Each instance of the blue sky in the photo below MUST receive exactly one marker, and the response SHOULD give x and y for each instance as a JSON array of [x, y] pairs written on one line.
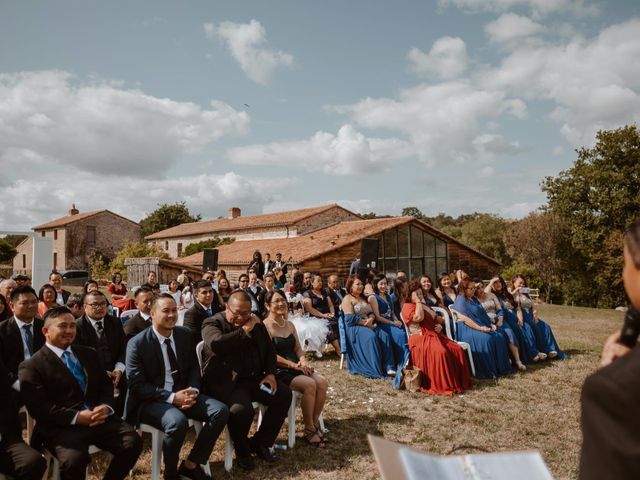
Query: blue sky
[[451, 106]]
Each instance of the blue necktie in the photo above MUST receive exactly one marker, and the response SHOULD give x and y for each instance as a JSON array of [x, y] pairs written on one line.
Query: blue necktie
[[76, 370], [209, 311], [29, 337]]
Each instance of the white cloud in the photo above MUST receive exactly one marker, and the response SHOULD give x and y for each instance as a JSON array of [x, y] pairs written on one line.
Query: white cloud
[[247, 44], [29, 202], [509, 27], [537, 7], [442, 121], [447, 59], [99, 127], [348, 152], [594, 83]]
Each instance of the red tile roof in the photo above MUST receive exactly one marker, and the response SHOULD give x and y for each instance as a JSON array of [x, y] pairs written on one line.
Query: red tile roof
[[299, 249], [68, 219], [240, 223]]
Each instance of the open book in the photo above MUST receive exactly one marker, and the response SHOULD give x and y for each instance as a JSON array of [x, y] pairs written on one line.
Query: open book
[[400, 462]]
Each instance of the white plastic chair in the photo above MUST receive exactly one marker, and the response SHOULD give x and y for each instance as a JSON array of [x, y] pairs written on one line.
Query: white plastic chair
[[53, 465], [30, 422], [127, 314], [452, 334], [291, 420], [157, 436]]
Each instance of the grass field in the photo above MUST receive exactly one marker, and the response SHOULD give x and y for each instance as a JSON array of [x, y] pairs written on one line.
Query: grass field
[[538, 409]]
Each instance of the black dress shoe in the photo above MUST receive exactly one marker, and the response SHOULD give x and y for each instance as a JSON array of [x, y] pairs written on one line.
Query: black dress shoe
[[193, 473], [263, 453], [246, 463]]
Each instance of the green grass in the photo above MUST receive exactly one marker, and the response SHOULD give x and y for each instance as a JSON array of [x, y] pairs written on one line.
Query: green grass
[[538, 409]]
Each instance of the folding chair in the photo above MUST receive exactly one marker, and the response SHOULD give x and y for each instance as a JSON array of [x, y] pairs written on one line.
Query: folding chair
[[53, 465], [127, 314], [30, 422], [343, 338], [448, 325]]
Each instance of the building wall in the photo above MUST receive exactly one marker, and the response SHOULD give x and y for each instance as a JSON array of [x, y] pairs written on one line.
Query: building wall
[[58, 236], [111, 233], [321, 220], [24, 248], [170, 245]]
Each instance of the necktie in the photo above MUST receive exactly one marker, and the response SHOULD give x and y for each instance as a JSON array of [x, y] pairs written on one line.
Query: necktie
[[173, 362], [76, 370], [28, 335], [209, 311], [100, 328]]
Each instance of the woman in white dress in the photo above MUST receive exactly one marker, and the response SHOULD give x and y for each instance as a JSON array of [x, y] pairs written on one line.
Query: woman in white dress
[[312, 331]]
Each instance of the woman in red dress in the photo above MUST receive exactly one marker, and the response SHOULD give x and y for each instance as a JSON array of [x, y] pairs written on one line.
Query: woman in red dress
[[442, 361], [118, 291]]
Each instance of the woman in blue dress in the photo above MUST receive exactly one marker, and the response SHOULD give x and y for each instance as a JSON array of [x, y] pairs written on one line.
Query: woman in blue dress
[[382, 308], [488, 347], [369, 350], [445, 291], [525, 337], [545, 340]]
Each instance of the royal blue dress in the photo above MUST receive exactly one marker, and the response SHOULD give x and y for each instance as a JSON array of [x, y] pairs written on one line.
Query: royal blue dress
[[489, 350], [545, 340], [524, 336], [369, 352], [398, 335]]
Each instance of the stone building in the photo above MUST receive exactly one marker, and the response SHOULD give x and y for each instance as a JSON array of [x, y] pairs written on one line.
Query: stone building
[[278, 225], [405, 243], [76, 236]]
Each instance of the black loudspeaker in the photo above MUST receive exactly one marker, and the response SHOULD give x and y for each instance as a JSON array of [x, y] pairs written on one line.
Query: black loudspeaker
[[369, 253], [210, 259]]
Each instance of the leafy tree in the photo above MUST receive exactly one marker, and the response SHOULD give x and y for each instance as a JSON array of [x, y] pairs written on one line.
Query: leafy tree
[[135, 250], [7, 251], [412, 212], [167, 216], [211, 243], [484, 232], [99, 266], [372, 215], [540, 240], [14, 240], [599, 198]]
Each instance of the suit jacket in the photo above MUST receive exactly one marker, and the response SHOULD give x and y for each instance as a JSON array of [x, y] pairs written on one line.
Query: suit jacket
[[53, 395], [135, 325], [194, 317], [145, 369], [258, 297], [11, 347], [268, 265], [336, 297], [225, 345], [10, 426], [116, 340], [283, 266]]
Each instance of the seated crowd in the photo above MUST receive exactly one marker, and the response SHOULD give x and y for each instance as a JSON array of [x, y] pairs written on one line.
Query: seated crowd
[[88, 377]]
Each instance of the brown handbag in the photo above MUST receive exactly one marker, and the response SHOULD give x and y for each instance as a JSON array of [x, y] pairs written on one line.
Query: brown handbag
[[412, 379]]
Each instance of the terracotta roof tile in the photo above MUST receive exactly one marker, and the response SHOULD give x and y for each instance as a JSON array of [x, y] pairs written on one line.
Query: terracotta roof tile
[[67, 219], [240, 223], [304, 247]]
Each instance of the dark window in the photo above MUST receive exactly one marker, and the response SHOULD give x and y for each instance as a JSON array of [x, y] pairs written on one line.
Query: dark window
[[430, 268], [416, 268], [441, 248], [166, 245], [390, 248], [55, 260], [24, 261], [55, 234], [443, 265], [416, 242], [179, 249], [91, 236], [403, 242], [403, 264], [42, 233], [429, 245]]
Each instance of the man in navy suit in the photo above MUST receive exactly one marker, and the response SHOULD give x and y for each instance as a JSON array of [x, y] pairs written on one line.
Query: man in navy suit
[[70, 396], [21, 335], [164, 390], [206, 305]]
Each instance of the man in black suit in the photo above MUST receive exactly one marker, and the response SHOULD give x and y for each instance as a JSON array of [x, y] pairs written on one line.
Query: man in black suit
[[164, 390], [141, 320], [255, 291], [239, 364], [70, 396], [280, 263], [268, 263], [104, 333], [355, 266], [203, 307], [55, 280], [16, 458], [21, 335], [336, 293]]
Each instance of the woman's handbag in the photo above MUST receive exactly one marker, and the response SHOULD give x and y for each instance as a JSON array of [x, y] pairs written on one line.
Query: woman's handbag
[[412, 379]]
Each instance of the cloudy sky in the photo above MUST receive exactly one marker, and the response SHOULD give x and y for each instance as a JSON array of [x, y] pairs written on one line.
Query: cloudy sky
[[448, 105]]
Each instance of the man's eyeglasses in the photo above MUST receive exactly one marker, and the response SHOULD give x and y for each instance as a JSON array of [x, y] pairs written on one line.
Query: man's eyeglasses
[[97, 305], [239, 315]]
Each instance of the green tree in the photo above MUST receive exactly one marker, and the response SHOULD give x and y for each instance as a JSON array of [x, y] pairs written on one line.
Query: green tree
[[599, 198], [412, 212], [484, 232], [14, 240], [167, 216], [7, 251], [211, 243], [99, 266], [135, 250], [540, 241]]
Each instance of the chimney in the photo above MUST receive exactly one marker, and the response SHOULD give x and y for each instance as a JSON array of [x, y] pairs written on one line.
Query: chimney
[[234, 212], [73, 210]]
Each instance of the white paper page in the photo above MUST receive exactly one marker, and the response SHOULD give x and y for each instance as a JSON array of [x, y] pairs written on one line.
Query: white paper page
[[507, 466], [420, 466]]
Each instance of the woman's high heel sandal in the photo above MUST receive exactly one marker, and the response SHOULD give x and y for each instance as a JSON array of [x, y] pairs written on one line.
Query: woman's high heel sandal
[[310, 435]]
